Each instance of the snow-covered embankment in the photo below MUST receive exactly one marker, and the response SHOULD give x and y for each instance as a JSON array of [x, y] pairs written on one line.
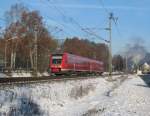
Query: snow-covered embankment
[[70, 97], [91, 97]]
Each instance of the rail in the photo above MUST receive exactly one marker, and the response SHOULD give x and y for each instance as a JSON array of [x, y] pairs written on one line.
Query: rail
[[22, 80]]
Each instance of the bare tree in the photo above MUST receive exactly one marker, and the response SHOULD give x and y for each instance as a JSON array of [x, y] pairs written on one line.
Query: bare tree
[[22, 46]]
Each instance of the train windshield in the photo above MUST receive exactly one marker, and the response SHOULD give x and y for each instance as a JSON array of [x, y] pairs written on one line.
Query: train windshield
[[56, 59]]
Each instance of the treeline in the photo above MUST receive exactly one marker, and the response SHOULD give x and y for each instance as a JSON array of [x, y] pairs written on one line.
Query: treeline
[[18, 39], [18, 42]]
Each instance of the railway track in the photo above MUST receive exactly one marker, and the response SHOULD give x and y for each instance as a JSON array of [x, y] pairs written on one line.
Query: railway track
[[22, 80]]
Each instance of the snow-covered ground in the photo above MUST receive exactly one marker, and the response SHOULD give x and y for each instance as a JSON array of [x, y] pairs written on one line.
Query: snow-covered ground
[[16, 74], [23, 74], [91, 97], [2, 75], [28, 74]]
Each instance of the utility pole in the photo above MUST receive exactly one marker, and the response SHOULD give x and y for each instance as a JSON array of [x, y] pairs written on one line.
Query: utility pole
[[35, 51], [126, 64], [111, 18], [110, 43], [5, 54]]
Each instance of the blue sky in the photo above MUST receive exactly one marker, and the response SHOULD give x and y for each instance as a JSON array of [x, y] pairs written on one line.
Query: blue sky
[[133, 18]]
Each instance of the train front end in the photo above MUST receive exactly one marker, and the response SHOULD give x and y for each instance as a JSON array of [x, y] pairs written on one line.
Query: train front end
[[56, 63]]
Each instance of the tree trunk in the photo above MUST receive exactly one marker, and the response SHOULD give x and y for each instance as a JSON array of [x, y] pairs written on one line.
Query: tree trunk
[[11, 62], [31, 59]]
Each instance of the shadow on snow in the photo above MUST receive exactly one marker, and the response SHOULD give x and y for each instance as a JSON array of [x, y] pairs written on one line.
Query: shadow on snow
[[146, 79], [26, 107]]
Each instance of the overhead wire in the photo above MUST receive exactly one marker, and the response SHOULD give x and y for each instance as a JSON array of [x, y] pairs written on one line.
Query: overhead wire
[[73, 21], [65, 26], [102, 4], [59, 23], [114, 20], [117, 28]]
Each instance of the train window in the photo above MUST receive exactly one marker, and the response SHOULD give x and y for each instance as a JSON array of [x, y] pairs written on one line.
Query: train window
[[56, 59]]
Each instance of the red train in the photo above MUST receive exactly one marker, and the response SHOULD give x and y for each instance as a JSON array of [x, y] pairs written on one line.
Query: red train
[[68, 63]]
